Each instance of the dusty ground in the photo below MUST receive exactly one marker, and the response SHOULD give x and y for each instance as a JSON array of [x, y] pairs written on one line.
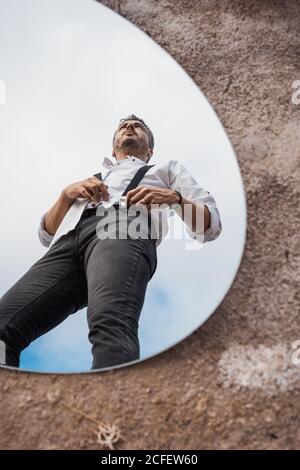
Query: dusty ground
[[232, 384]]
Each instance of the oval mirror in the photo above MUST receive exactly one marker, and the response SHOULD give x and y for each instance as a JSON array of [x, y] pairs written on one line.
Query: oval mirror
[[70, 71]]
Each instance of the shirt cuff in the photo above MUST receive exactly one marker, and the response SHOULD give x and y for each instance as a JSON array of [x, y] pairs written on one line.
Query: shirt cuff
[[213, 231], [44, 236]]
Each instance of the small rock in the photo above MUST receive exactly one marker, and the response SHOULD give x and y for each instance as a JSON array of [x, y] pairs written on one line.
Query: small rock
[[201, 405], [53, 396]]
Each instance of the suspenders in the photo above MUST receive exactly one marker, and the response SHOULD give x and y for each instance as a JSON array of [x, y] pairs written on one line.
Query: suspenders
[[133, 184], [135, 180]]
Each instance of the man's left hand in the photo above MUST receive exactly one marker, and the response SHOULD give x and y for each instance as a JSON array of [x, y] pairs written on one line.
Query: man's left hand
[[148, 195]]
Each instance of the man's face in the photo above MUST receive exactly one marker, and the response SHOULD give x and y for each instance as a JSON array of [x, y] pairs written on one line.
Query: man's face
[[132, 138]]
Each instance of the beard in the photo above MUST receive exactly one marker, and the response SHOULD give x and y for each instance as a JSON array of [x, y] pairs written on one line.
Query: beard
[[129, 142]]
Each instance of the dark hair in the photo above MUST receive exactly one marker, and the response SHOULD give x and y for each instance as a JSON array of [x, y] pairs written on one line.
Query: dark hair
[[133, 117]]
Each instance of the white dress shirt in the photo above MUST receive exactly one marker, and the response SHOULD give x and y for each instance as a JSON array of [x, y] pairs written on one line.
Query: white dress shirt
[[118, 174]]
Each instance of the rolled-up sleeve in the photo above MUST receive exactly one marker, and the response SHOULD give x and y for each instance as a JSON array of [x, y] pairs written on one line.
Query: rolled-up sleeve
[[181, 180], [44, 236]]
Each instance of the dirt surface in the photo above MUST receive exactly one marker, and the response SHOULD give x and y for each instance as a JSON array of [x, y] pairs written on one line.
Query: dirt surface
[[232, 384]]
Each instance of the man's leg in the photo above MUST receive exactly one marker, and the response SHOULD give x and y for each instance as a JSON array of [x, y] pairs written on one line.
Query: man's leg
[[52, 289], [118, 271]]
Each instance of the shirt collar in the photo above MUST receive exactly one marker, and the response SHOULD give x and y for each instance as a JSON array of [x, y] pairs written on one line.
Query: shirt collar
[[109, 163]]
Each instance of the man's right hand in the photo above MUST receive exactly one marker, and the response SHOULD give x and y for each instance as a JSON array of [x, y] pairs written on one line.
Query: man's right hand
[[91, 188]]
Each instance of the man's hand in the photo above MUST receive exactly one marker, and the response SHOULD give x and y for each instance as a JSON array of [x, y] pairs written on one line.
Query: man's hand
[[91, 188], [148, 195]]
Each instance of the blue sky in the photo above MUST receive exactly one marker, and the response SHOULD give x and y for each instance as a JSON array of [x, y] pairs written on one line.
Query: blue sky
[[72, 69]]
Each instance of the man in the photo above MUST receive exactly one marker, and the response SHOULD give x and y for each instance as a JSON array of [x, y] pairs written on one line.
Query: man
[[109, 275]]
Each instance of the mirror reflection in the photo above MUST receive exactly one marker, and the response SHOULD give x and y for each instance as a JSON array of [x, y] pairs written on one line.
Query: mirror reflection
[[123, 206]]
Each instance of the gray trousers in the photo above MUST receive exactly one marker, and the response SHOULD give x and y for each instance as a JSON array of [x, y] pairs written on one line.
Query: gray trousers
[[109, 276]]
